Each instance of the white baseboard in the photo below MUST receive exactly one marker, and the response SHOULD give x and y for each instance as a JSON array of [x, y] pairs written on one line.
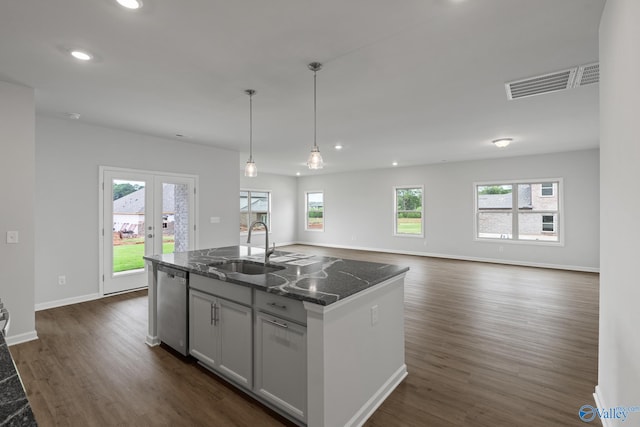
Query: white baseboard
[[458, 257], [363, 414], [597, 396], [67, 301], [20, 338]]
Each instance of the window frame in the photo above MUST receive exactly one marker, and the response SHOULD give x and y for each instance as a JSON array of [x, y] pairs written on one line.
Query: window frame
[[395, 211], [306, 211], [558, 214], [269, 210]]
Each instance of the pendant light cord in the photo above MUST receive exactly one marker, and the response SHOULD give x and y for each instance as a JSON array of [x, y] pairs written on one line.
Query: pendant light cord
[[251, 127], [315, 114]]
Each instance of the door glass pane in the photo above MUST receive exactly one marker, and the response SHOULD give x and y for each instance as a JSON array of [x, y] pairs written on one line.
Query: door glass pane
[[175, 217], [128, 225], [244, 211], [260, 208], [315, 211]]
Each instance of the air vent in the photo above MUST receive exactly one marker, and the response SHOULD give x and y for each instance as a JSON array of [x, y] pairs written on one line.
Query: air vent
[[553, 82], [587, 74], [538, 85]]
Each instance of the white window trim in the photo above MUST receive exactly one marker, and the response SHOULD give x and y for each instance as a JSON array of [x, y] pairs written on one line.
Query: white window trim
[[561, 218], [257, 190], [395, 212], [306, 212]]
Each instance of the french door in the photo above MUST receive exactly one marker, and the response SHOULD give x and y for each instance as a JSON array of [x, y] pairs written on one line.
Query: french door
[[143, 213]]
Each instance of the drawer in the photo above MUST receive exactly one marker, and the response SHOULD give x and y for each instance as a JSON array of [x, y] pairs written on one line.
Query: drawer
[[281, 306], [230, 291]]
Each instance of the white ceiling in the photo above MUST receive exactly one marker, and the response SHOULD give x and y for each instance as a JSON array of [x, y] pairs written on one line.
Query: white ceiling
[[412, 81]]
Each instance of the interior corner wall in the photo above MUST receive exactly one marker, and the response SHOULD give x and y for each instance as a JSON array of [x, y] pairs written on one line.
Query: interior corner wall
[[283, 207], [17, 174], [359, 209], [619, 345], [68, 155]]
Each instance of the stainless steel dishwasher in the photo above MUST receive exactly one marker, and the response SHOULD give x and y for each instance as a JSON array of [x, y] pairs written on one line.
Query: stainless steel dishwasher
[[173, 294]]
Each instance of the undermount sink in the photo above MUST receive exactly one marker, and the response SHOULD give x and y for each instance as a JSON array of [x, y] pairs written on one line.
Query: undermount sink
[[246, 267]]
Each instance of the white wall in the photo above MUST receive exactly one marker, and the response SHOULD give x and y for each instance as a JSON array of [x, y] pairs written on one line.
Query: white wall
[[619, 347], [283, 207], [359, 209], [68, 154], [17, 174]]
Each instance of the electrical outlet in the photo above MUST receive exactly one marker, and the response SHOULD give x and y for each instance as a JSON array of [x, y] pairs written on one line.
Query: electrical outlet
[[62, 280], [375, 315], [12, 237]]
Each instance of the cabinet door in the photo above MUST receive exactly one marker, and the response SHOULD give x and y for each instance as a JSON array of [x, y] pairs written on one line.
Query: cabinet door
[[234, 334], [281, 364], [202, 332]]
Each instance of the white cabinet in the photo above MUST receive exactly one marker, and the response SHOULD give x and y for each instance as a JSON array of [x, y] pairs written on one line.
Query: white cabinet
[[220, 334], [281, 364]]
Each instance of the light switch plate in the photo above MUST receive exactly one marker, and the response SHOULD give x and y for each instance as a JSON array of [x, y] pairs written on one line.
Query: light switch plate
[[12, 237]]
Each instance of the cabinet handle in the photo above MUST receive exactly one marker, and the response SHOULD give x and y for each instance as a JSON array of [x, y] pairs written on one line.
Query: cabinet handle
[[282, 325], [276, 305], [215, 314], [212, 315]]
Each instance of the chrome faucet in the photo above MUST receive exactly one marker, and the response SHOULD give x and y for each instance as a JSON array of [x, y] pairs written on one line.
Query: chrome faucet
[[267, 251]]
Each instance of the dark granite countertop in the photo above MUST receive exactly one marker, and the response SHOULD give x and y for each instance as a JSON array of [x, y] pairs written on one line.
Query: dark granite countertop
[[15, 410], [317, 279]]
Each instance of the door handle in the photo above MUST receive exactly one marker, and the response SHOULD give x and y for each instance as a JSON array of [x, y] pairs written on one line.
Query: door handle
[[282, 325], [149, 235]]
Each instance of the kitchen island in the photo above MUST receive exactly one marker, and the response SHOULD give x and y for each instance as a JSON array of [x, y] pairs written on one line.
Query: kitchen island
[[14, 405], [319, 339]]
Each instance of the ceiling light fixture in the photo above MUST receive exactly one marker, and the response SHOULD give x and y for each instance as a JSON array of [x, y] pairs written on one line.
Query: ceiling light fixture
[[315, 159], [250, 169], [338, 146], [502, 142], [394, 164], [81, 55], [130, 4]]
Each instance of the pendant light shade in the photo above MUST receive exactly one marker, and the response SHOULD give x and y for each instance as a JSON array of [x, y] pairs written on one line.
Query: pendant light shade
[[315, 159], [250, 170]]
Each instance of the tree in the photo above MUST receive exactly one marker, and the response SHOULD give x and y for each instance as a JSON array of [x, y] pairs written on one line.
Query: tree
[[495, 189], [121, 190], [409, 199]]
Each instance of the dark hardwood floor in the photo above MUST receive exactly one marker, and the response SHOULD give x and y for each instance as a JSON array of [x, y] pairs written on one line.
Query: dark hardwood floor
[[486, 345]]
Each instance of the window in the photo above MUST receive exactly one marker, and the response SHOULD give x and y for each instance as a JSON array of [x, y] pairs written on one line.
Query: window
[[518, 211], [547, 223], [314, 211], [254, 206], [408, 220]]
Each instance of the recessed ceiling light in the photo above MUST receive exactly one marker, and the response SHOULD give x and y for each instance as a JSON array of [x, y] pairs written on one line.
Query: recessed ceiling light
[[81, 55], [394, 164], [338, 146], [130, 4], [72, 116], [502, 142], [297, 173]]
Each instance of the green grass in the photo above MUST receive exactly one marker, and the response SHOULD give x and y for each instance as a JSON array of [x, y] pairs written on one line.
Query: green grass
[[129, 257], [409, 226]]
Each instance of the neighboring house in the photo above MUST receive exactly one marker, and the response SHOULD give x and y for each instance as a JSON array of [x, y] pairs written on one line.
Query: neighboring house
[[259, 211], [128, 212]]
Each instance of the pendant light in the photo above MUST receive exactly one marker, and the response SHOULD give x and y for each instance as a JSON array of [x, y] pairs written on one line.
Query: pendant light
[[315, 159], [250, 169]]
